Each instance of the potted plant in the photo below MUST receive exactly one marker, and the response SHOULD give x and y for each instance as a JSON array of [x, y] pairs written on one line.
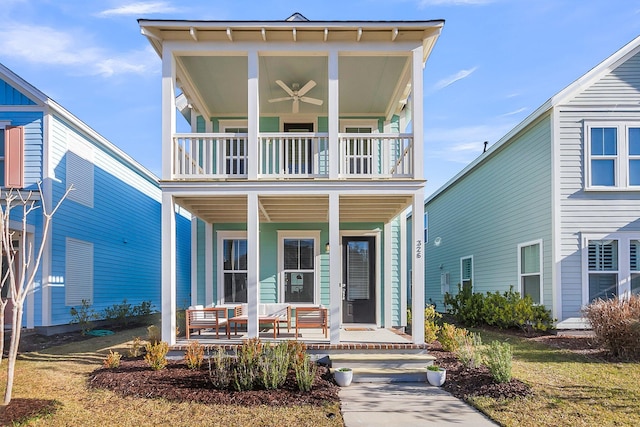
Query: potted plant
[[343, 376], [436, 375]]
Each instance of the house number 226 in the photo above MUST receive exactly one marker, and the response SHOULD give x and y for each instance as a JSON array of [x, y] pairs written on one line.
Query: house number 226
[[418, 248]]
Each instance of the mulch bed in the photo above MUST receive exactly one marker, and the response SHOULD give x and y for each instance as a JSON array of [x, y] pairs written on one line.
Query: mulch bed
[[179, 383], [467, 382]]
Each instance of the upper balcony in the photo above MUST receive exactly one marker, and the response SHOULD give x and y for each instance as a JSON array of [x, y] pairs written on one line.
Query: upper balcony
[[292, 155], [355, 89]]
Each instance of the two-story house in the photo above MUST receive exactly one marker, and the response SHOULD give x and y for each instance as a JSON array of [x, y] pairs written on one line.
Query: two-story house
[[104, 241], [298, 165], [553, 207]]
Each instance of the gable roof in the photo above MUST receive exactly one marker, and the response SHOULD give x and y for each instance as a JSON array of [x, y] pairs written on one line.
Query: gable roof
[[586, 80]]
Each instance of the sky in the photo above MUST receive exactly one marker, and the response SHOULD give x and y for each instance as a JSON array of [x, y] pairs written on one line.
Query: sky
[[495, 62]]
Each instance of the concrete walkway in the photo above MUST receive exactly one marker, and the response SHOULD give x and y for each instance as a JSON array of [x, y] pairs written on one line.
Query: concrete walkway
[[406, 405]]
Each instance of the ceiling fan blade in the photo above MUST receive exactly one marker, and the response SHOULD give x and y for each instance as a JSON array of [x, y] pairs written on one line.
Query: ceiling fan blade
[[314, 101], [284, 87], [287, 98], [306, 88], [296, 106]]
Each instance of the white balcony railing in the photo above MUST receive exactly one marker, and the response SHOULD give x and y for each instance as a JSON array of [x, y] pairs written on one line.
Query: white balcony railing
[[292, 155]]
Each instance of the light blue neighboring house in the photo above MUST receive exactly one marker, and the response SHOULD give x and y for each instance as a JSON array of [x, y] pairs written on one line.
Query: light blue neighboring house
[[553, 207], [104, 243], [298, 164]]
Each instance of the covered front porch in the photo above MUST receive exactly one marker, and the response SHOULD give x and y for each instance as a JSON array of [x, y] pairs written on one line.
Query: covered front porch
[[344, 249]]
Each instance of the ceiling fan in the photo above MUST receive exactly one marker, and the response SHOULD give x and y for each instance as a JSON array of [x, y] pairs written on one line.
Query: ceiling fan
[[296, 93]]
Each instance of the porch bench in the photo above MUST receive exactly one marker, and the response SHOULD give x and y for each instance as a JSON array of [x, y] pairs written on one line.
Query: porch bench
[[312, 317], [199, 317]]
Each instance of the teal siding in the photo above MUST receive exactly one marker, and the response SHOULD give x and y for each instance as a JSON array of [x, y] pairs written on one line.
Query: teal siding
[[502, 202], [10, 96], [396, 248]]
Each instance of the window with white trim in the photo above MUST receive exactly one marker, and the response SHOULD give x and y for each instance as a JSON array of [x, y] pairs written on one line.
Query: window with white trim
[[530, 270], [466, 271], [603, 269], [235, 148], [234, 269], [612, 156], [298, 268]]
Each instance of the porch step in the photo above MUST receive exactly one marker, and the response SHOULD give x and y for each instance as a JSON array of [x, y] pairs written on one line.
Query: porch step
[[389, 375], [381, 360], [384, 367]]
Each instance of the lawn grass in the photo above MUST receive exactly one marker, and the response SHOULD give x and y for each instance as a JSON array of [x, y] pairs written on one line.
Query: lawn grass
[[569, 389], [61, 373]]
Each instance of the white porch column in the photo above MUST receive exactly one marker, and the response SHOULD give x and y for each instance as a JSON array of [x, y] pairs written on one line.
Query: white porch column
[[388, 276], [333, 111], [194, 260], [253, 264], [253, 113], [208, 263], [168, 269], [168, 111], [417, 294], [335, 270], [417, 114]]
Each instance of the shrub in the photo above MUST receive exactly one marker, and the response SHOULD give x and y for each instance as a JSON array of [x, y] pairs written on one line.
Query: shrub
[[194, 356], [616, 324], [135, 350], [305, 374], [153, 334], [156, 356], [247, 364], [83, 316], [274, 365], [498, 359], [503, 310], [465, 306], [118, 312], [469, 350], [297, 351], [220, 369], [450, 335], [112, 360], [431, 328]]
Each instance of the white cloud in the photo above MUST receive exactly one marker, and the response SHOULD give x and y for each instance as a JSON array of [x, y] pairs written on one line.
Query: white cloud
[[140, 8], [518, 111], [449, 80], [424, 3], [49, 46]]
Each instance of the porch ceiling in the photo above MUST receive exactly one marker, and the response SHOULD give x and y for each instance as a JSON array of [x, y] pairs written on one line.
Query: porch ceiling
[[311, 208], [369, 85]]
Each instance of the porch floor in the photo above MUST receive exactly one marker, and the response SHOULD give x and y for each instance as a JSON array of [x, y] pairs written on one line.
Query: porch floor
[[351, 337]]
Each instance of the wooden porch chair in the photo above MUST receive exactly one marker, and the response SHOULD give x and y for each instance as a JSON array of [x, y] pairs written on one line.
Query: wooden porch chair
[[312, 317], [199, 317]]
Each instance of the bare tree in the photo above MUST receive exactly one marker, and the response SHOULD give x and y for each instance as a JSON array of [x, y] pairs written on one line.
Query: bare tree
[[20, 285]]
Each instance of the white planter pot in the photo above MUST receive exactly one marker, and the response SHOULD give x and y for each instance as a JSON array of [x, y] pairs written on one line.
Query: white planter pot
[[438, 377], [343, 376]]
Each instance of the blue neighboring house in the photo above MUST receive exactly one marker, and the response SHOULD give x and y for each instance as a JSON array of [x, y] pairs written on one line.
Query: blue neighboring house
[[104, 243], [552, 208]]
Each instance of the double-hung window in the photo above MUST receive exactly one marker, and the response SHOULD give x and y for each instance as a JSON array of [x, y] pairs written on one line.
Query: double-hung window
[[298, 268], [234, 270], [530, 270], [466, 271], [612, 156]]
